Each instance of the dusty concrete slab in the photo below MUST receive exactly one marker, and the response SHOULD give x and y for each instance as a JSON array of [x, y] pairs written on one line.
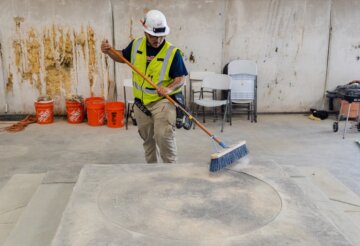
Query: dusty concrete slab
[[333, 199], [40, 219], [183, 205], [5, 230], [14, 197]]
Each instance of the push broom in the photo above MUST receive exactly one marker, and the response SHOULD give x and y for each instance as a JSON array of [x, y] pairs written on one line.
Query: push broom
[[219, 160]]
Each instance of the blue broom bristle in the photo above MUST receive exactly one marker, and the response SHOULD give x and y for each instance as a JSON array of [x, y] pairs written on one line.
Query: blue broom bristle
[[228, 158]]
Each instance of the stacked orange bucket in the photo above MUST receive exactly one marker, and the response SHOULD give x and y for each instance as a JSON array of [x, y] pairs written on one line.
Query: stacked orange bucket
[[75, 109], [44, 107]]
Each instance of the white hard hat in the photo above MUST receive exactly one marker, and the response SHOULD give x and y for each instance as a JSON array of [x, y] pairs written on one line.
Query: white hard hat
[[155, 23]]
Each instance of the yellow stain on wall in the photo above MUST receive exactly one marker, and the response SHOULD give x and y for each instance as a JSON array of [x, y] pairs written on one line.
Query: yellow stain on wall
[[17, 50], [32, 68], [58, 52], [92, 59], [52, 76], [9, 84], [52, 52], [80, 39], [68, 62], [18, 20]]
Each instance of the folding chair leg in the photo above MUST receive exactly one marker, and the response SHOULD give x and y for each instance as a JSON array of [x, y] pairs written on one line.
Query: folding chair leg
[[224, 119], [127, 115], [230, 115], [196, 113], [251, 112], [203, 109], [215, 114]]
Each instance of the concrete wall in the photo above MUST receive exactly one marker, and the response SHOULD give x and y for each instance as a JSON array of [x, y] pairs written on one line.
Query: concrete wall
[[289, 42], [344, 54], [53, 46]]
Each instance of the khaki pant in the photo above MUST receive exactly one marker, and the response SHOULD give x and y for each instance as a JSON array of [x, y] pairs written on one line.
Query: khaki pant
[[158, 131]]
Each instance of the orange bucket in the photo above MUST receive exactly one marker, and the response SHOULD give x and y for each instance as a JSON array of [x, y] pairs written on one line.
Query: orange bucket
[[75, 112], [44, 112], [95, 112], [115, 114], [89, 100], [93, 99]]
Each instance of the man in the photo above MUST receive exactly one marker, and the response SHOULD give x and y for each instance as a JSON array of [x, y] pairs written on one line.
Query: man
[[164, 65]]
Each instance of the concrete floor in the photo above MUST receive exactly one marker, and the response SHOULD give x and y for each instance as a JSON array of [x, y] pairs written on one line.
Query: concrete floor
[[296, 144], [61, 149]]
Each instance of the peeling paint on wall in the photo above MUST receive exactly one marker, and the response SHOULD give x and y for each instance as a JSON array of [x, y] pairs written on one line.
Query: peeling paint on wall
[[131, 36], [49, 48], [58, 52], [16, 44], [18, 20], [80, 39], [192, 57], [31, 72], [92, 59], [47, 58], [9, 84]]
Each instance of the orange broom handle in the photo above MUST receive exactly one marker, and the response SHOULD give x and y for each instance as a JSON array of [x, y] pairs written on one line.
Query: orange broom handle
[[172, 101]]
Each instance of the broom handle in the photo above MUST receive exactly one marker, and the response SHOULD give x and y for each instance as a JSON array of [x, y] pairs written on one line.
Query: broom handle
[[172, 101]]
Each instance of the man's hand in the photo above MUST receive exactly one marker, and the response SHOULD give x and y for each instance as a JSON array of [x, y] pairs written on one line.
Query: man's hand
[[105, 46], [178, 82], [162, 91], [106, 49]]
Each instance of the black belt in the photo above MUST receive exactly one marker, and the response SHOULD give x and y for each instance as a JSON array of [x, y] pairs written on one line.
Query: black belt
[[142, 107]]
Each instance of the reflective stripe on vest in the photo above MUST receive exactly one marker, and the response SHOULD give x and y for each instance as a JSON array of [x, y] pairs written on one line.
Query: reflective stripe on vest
[[165, 64], [136, 48], [148, 91]]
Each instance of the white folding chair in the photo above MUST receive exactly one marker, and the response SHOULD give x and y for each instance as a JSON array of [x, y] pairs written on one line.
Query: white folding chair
[[215, 83], [244, 85], [128, 98], [195, 80]]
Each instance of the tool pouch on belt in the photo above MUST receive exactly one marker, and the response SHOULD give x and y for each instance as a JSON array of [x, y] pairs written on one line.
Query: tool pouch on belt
[[182, 120], [142, 107]]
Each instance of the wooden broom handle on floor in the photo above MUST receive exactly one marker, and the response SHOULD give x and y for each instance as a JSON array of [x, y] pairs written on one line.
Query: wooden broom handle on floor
[[172, 101]]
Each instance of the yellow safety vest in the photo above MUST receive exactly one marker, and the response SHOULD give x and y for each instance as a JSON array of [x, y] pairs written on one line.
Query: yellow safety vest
[[157, 70]]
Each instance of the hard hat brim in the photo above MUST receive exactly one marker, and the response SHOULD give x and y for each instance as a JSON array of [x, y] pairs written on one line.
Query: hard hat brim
[[158, 34]]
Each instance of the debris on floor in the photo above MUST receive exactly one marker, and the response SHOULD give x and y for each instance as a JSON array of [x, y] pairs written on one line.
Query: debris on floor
[[312, 117]]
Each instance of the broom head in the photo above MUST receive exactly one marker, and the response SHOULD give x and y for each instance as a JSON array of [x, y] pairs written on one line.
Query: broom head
[[228, 156]]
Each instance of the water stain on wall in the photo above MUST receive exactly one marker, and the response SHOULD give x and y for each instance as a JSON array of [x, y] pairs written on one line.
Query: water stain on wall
[[92, 57], [32, 67], [18, 20], [131, 36], [80, 40], [58, 54], [9, 84], [16, 44], [52, 52]]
